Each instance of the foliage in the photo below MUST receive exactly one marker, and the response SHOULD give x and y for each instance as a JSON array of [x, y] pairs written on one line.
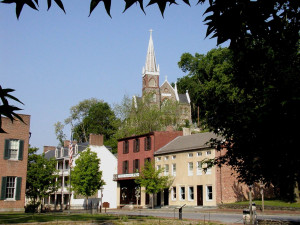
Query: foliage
[[140, 116], [58, 126], [86, 175], [152, 180], [6, 109], [41, 178], [90, 116], [93, 4]]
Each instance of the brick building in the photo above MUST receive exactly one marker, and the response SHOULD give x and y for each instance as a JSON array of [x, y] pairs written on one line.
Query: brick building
[[13, 163], [132, 153], [196, 184]]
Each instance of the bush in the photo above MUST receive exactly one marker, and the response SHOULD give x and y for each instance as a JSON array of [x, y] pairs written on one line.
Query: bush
[[32, 207]]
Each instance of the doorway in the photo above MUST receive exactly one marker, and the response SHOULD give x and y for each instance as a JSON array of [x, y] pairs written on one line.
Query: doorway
[[199, 195], [166, 196]]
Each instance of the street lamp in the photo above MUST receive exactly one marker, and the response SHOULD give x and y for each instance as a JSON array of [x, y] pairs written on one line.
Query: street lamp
[[101, 189]]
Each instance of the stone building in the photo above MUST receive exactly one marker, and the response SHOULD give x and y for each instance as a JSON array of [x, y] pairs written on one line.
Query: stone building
[[165, 92], [13, 163]]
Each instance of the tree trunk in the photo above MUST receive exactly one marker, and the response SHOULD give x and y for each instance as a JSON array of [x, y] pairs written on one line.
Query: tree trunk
[[86, 204], [152, 201]]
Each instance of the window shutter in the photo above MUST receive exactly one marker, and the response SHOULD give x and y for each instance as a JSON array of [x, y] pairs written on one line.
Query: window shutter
[[138, 165], [18, 188], [6, 149], [3, 188], [145, 140], [21, 149]]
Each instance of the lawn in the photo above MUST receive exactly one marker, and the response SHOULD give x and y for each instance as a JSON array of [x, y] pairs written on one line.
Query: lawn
[[272, 203], [57, 218]]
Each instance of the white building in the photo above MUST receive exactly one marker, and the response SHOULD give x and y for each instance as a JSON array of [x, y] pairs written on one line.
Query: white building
[[108, 166]]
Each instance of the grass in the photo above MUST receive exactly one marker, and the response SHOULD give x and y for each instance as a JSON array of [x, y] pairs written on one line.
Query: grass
[[272, 203], [55, 218]]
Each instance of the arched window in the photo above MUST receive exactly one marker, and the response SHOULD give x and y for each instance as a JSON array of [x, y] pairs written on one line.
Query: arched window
[[152, 83]]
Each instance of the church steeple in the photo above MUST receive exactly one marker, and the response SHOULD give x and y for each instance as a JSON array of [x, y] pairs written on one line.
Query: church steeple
[[150, 65]]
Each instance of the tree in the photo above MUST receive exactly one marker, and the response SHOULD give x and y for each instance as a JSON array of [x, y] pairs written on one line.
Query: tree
[[255, 114], [152, 180], [139, 116], [86, 177], [6, 109], [41, 176], [58, 126]]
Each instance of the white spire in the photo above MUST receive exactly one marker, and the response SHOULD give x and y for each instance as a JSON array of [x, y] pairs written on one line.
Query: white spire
[[150, 65]]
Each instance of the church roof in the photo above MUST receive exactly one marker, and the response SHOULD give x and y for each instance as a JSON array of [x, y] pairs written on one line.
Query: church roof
[[150, 65], [183, 98]]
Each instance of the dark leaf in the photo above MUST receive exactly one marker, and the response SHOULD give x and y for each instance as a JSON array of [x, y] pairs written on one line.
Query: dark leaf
[[60, 4], [49, 4], [107, 5], [129, 3]]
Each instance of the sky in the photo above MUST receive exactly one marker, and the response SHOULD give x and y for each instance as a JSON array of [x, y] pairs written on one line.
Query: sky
[[55, 60]]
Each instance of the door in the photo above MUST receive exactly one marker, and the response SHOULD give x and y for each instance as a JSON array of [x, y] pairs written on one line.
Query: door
[[166, 196], [199, 195], [158, 202]]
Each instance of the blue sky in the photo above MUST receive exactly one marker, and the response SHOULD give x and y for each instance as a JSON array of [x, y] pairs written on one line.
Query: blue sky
[[55, 60]]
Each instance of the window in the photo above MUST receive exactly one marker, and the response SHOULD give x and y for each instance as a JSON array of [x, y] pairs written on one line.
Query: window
[[166, 158], [199, 168], [173, 193], [166, 169], [136, 166], [182, 193], [125, 167], [147, 160], [76, 149], [11, 188], [208, 170], [13, 149], [125, 147], [208, 152], [173, 156], [190, 169], [190, 155], [174, 169], [56, 153], [147, 143], [158, 159], [62, 152], [199, 153], [136, 145], [209, 193], [158, 167], [191, 193], [152, 83]]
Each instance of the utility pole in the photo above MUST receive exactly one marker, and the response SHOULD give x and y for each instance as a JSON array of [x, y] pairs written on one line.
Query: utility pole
[[250, 199]]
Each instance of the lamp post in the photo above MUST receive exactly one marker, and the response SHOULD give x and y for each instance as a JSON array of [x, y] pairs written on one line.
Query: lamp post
[[101, 189]]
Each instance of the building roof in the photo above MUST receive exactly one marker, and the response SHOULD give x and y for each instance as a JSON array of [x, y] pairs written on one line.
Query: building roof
[[189, 142], [51, 154], [183, 98]]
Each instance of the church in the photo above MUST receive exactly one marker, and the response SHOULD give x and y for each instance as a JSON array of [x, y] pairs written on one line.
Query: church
[[164, 92]]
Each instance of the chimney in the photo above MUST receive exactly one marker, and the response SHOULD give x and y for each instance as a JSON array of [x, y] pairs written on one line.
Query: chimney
[[49, 148], [186, 131], [96, 139], [66, 143]]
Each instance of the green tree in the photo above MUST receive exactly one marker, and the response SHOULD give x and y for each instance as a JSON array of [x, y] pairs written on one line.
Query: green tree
[[41, 176], [152, 180], [58, 128], [140, 116], [86, 177]]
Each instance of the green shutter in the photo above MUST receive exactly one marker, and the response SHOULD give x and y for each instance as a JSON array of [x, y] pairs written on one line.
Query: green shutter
[[18, 188], [21, 149], [3, 188], [6, 149]]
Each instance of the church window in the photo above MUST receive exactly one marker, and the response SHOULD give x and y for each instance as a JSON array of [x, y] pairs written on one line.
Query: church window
[[152, 83]]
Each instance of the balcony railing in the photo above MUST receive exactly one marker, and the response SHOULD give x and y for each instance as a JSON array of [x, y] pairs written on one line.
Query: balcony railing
[[125, 175]]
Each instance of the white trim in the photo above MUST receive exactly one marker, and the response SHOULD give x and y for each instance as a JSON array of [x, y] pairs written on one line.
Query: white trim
[[212, 193]]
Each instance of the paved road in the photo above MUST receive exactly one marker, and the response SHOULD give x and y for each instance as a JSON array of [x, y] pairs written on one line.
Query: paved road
[[223, 217]]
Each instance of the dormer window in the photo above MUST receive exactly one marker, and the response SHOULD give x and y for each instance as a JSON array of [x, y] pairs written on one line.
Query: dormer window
[[56, 153], [76, 149], [62, 152]]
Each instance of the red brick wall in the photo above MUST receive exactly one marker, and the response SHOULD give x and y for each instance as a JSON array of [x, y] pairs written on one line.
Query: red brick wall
[[49, 148], [228, 189], [15, 130], [158, 140]]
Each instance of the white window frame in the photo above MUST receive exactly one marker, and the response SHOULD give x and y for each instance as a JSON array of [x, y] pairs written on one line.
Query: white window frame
[[166, 170], [199, 154], [166, 158], [61, 152], [158, 159], [190, 168], [173, 192], [76, 149], [158, 167], [14, 146], [199, 168], [208, 152], [190, 155], [56, 153], [174, 171], [208, 170], [208, 192], [189, 192], [173, 156], [8, 188], [182, 192]]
